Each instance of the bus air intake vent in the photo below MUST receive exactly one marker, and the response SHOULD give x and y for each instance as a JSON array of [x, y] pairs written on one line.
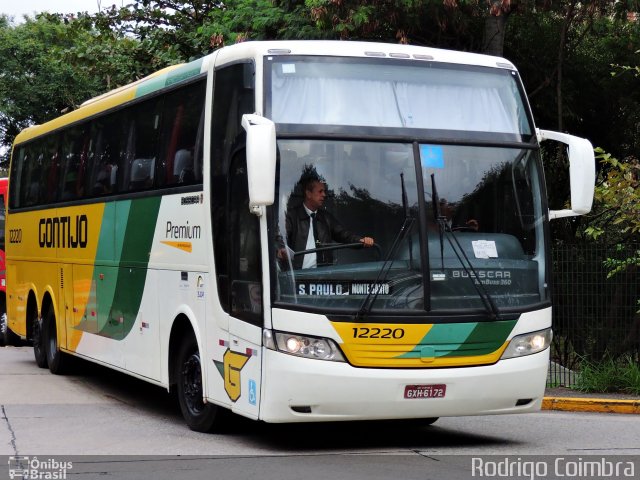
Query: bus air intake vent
[[301, 408]]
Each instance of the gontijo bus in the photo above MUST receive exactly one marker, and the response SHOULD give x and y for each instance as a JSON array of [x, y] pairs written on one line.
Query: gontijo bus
[[145, 227]]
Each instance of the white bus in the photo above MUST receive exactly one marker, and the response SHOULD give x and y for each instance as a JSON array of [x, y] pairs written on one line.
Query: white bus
[[161, 230]]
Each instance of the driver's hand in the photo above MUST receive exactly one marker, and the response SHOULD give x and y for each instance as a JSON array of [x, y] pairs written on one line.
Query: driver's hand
[[282, 254], [368, 241], [473, 224]]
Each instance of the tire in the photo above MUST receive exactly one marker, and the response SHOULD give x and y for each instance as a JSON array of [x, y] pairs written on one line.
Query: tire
[[38, 342], [4, 326], [7, 337], [56, 359], [199, 416]]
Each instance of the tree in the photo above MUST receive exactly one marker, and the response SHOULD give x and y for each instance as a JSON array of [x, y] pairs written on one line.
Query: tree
[[168, 28], [36, 84], [617, 202], [616, 221]]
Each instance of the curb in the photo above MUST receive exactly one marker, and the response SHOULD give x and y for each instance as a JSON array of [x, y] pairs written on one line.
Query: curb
[[600, 405]]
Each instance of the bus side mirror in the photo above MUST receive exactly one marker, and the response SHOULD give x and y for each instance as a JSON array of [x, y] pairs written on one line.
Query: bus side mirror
[[261, 160], [582, 172]]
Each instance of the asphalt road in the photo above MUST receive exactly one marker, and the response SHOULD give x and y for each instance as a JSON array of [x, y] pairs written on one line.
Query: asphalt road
[[114, 426]]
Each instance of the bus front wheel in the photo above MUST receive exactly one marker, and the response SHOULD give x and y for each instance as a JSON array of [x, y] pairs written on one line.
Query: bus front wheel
[[200, 416]]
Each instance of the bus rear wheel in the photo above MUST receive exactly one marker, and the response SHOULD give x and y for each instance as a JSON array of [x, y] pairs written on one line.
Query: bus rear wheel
[[200, 416], [38, 342], [56, 359]]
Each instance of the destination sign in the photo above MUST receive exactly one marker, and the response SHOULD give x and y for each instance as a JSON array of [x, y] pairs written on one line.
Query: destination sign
[[342, 288]]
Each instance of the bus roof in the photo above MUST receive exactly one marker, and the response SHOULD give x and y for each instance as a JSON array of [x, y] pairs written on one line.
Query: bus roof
[[339, 48], [177, 73]]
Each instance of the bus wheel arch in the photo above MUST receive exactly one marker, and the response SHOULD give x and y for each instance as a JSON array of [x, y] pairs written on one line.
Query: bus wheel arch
[[56, 358], [185, 377], [179, 330], [34, 330]]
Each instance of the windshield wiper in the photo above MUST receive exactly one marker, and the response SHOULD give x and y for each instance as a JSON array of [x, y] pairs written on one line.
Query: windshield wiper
[[443, 226], [371, 297], [405, 208]]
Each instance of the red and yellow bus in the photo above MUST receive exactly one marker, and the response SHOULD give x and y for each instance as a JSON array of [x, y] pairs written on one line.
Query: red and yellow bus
[[5, 333]]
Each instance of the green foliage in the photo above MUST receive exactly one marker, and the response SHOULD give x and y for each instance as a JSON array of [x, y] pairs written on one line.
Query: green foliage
[[168, 30], [621, 375], [617, 200], [36, 82], [616, 265], [242, 20], [616, 213], [447, 24]]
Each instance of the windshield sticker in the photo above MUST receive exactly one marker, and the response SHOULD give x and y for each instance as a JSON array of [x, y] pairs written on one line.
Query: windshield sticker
[[432, 156], [288, 68], [484, 249], [345, 288]]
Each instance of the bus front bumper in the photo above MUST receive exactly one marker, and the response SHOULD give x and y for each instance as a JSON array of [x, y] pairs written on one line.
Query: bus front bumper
[[301, 390]]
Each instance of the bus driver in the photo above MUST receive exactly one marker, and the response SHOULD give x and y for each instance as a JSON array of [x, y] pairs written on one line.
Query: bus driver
[[310, 226]]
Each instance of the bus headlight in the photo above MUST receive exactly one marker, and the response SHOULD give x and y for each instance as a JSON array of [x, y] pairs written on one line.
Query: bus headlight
[[528, 344], [308, 347]]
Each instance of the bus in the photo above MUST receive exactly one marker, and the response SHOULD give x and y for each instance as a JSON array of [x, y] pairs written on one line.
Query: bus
[[5, 334], [151, 232]]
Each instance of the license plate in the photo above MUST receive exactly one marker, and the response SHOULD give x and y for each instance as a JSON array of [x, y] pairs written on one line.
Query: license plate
[[425, 391]]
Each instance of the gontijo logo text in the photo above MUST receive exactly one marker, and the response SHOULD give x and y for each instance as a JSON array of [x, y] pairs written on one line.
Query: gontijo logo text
[[63, 232]]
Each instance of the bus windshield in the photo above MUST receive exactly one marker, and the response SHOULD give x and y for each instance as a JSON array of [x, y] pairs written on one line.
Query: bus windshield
[[455, 219], [482, 225]]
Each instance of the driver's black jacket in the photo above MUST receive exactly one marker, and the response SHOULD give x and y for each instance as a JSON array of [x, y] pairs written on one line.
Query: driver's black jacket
[[329, 230]]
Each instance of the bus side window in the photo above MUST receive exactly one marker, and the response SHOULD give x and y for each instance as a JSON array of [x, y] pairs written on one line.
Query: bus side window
[[138, 164], [51, 169], [74, 146], [15, 191], [232, 84], [182, 124], [244, 231], [30, 183], [108, 146]]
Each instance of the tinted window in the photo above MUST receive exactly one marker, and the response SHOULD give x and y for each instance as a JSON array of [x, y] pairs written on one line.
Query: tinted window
[[232, 97], [138, 165], [147, 145], [181, 140], [74, 149], [106, 152]]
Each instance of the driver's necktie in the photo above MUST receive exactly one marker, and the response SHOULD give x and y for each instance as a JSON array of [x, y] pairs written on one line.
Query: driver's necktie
[[314, 225]]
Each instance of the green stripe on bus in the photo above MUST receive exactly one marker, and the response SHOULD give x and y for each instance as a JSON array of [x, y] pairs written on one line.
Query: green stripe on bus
[[463, 339], [184, 72], [486, 337], [120, 294], [172, 77]]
